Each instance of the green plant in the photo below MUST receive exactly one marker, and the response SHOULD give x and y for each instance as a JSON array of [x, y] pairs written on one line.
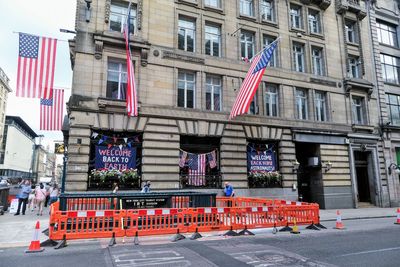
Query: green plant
[[265, 178], [122, 175]]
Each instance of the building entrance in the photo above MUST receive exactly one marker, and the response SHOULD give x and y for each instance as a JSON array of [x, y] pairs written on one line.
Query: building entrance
[[364, 179], [309, 175]]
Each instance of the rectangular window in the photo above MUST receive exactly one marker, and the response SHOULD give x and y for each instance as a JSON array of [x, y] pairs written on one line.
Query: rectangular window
[[247, 44], [320, 106], [351, 31], [267, 10], [186, 34], [393, 102], [358, 109], [116, 80], [186, 89], [267, 41], [271, 100], [317, 60], [213, 92], [314, 21], [354, 67], [246, 8], [301, 104], [213, 3], [390, 69], [213, 40], [298, 57], [118, 16], [387, 33], [253, 109], [296, 16]]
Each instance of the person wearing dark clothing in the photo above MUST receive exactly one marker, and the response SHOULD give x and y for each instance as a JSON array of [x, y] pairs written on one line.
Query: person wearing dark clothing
[[23, 195]]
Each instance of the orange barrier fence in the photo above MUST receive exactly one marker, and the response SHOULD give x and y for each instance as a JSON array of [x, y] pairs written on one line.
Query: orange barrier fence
[[255, 202], [141, 222]]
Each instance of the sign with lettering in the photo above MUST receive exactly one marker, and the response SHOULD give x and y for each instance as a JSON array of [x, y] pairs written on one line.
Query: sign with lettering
[[261, 161], [115, 158], [146, 202]]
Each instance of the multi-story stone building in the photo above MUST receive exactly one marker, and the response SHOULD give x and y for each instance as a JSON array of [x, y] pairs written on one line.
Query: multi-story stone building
[[314, 118], [384, 19], [4, 90]]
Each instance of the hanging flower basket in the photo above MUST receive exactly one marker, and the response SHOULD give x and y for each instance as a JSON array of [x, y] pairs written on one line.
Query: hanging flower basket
[[264, 179], [106, 175]]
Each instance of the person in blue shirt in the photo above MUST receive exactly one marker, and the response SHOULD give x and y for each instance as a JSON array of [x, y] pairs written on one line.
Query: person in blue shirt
[[228, 190], [146, 187], [23, 195]]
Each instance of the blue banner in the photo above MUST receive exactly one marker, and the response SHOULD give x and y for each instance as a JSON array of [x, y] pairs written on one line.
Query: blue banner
[[115, 158], [261, 161]]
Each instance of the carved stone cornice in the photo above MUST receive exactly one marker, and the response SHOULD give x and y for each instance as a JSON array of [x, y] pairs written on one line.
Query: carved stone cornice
[[173, 55], [323, 4], [107, 11], [98, 49], [360, 84]]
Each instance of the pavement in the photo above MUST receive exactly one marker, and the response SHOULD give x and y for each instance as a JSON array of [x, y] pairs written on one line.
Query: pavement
[[17, 231]]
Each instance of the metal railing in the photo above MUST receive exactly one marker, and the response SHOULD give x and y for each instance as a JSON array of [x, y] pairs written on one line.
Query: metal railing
[[200, 181], [135, 200]]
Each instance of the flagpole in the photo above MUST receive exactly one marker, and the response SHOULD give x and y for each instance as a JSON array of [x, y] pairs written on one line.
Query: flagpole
[[61, 40], [262, 50]]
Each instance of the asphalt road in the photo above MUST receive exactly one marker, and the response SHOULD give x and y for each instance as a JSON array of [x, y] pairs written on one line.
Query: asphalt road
[[373, 242]]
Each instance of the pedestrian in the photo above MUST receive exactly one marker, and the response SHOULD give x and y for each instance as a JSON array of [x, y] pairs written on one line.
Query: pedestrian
[[115, 187], [23, 195], [47, 187], [40, 197], [228, 190], [146, 187], [31, 199], [54, 192]]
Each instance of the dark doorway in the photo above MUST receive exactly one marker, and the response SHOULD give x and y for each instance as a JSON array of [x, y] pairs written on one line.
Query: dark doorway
[[309, 175], [363, 185]]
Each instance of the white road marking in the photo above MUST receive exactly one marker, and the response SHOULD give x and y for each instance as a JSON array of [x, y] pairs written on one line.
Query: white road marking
[[368, 251]]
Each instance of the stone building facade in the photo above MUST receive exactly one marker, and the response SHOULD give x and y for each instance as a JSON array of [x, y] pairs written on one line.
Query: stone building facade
[[315, 111], [384, 17], [4, 90]]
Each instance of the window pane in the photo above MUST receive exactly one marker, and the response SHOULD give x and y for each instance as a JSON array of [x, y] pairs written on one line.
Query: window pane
[[181, 97]]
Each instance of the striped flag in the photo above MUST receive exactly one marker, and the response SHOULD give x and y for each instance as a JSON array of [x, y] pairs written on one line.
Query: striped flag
[[131, 95], [36, 64], [182, 159], [251, 82], [212, 159], [197, 169], [51, 111]]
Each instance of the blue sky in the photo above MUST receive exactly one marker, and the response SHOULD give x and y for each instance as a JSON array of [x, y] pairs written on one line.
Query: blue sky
[[43, 18]]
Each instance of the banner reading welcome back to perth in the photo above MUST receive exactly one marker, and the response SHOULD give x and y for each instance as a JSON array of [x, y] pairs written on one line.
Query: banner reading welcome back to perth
[[115, 158]]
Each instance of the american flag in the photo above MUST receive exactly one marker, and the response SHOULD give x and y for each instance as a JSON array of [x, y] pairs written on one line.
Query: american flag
[[36, 64], [51, 111], [251, 82], [212, 160], [197, 169], [182, 160], [131, 96]]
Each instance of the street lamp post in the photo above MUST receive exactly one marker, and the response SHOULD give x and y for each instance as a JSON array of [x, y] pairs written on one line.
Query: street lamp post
[[65, 131]]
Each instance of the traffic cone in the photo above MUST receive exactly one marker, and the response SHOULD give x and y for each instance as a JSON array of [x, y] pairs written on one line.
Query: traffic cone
[[295, 229], [339, 224], [35, 243], [398, 216]]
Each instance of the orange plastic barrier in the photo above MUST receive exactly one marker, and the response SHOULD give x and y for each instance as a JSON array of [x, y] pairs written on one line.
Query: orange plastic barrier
[[141, 222]]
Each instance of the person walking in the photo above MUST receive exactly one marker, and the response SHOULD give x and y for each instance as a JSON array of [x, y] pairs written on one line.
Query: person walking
[[54, 192], [31, 199], [40, 197], [115, 188], [146, 187], [23, 195]]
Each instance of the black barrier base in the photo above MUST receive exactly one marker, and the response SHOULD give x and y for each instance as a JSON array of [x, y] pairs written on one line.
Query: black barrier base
[[136, 239], [231, 233], [312, 226], [178, 237], [320, 226], [61, 244], [245, 232], [196, 236], [112, 241], [287, 228], [48, 243], [46, 231]]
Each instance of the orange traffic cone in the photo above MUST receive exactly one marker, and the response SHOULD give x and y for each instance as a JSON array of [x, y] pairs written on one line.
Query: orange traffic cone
[[35, 243], [398, 216], [339, 224]]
